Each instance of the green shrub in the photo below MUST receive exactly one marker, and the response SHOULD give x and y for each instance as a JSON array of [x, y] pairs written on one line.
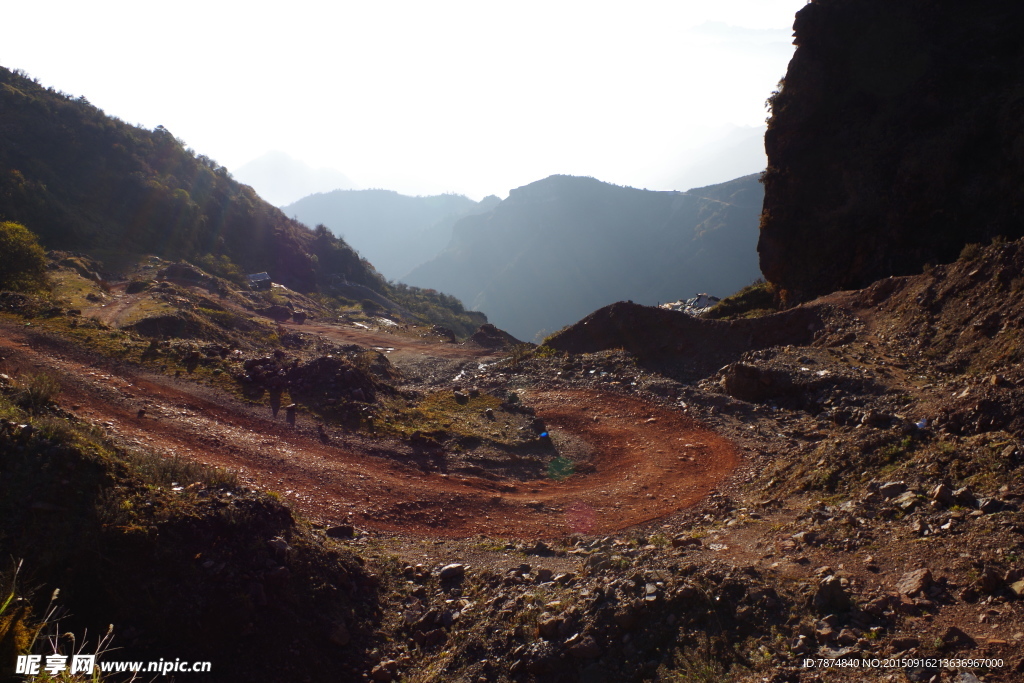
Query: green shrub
[[38, 392], [754, 300], [970, 252], [22, 260]]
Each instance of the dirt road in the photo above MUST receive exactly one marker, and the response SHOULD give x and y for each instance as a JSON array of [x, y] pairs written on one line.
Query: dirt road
[[648, 461]]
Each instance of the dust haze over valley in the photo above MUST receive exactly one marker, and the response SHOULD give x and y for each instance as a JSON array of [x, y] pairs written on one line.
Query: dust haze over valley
[[386, 395]]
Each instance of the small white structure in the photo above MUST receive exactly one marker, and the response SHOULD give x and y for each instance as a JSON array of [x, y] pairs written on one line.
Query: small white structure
[[694, 306], [259, 281]]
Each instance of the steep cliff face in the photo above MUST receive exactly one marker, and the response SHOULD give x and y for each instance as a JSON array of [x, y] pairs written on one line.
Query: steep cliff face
[[897, 137]]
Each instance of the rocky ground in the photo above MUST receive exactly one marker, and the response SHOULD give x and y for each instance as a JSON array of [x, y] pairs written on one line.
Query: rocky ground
[[838, 485]]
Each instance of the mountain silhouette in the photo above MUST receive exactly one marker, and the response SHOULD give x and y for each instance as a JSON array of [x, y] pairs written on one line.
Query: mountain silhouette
[[394, 231], [561, 247]]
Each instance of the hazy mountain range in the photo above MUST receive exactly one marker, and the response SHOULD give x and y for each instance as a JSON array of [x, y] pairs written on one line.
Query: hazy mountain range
[[281, 179], [549, 254], [394, 231], [561, 247]]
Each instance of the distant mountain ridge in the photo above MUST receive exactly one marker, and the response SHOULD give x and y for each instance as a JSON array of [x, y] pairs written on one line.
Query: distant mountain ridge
[[561, 247], [282, 179], [395, 232]]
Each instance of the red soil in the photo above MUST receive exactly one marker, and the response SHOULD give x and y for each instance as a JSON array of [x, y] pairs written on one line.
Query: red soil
[[648, 460]]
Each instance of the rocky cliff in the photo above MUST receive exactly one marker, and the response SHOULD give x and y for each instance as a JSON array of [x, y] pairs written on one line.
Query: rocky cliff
[[894, 140]]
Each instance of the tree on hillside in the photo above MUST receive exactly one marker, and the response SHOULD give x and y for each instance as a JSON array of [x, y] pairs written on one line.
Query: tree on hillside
[[22, 260]]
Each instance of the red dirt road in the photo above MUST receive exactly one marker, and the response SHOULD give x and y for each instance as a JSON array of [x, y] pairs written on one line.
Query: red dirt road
[[647, 460]]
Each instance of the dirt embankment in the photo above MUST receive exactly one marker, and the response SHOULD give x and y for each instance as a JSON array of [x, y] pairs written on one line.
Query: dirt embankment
[[697, 346]]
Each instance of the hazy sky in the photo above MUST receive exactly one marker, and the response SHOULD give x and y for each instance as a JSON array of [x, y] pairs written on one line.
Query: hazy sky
[[420, 96]]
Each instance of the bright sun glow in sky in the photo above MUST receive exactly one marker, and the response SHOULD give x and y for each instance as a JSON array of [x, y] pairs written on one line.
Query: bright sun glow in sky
[[420, 96]]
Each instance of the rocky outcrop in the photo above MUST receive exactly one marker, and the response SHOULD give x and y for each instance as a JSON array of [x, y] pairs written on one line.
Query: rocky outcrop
[[490, 337], [894, 141]]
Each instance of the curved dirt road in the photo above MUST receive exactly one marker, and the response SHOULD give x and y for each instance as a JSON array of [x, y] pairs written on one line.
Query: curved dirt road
[[647, 460]]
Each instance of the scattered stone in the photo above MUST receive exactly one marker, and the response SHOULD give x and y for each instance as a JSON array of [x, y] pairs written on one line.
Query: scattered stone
[[540, 548], [906, 500], [847, 638], [583, 647], [878, 606], [831, 596], [969, 594], [964, 496], [891, 489], [548, 624], [915, 582], [452, 571], [385, 671], [806, 537], [989, 505], [943, 495]]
